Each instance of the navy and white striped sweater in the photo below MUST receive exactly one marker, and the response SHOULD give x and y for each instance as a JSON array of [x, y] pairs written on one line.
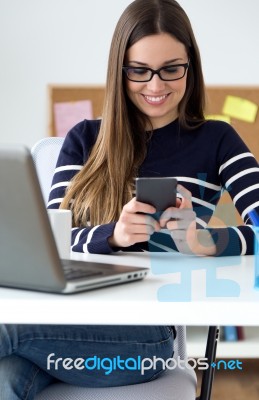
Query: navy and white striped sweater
[[204, 160]]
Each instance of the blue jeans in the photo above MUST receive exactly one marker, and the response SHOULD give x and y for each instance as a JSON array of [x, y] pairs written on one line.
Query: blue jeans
[[34, 356]]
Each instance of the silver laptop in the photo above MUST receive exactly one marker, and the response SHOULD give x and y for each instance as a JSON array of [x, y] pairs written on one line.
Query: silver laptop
[[28, 254]]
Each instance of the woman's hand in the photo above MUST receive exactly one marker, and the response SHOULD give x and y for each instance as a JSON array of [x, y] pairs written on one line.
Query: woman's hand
[[181, 222], [132, 226]]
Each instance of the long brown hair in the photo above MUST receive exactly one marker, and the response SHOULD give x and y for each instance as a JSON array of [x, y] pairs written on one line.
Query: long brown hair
[[99, 191]]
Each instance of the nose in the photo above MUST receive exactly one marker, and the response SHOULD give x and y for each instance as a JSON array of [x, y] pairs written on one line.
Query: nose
[[156, 84]]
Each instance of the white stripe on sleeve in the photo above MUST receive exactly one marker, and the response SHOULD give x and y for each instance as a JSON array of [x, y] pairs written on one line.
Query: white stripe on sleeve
[[199, 182], [242, 239], [55, 201], [77, 238], [240, 174], [68, 168], [59, 184], [245, 191], [89, 238], [249, 208], [204, 203], [233, 159], [201, 222]]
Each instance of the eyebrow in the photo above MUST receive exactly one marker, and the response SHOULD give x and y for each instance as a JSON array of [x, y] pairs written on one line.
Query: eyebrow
[[165, 63]]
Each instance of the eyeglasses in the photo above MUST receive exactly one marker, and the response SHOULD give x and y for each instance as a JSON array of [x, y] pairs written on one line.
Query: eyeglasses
[[144, 74]]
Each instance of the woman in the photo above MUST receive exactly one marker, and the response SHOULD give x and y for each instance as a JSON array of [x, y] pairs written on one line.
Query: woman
[[152, 125]]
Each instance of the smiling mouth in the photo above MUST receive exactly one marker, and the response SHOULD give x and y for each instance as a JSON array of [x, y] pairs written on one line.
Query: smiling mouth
[[155, 99]]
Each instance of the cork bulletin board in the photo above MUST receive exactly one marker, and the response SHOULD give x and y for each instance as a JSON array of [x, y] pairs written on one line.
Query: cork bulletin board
[[249, 131], [73, 93], [215, 100]]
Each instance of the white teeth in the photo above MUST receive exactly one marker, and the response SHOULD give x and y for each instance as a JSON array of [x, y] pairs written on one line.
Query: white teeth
[[155, 99]]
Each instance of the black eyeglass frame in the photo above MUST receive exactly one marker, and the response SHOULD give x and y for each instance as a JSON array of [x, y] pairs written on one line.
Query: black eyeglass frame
[[125, 68]]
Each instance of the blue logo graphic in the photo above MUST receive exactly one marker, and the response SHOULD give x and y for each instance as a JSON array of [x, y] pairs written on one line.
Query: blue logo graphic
[[173, 262], [230, 364]]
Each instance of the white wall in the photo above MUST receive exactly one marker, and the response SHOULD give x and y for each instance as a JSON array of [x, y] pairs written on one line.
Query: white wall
[[67, 41]]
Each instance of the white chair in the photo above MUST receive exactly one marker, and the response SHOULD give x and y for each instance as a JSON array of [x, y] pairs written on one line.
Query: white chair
[[174, 384], [45, 154]]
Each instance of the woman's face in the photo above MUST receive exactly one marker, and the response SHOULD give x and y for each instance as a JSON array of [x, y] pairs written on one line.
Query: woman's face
[[157, 99]]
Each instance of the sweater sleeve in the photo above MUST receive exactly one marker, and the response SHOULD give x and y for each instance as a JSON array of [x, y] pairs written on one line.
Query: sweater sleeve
[[239, 175], [72, 157]]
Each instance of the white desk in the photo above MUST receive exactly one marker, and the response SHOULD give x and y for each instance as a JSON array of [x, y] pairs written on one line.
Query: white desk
[[235, 301]]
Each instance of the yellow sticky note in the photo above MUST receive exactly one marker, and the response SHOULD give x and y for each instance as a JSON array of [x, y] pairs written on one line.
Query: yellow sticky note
[[237, 107], [219, 117]]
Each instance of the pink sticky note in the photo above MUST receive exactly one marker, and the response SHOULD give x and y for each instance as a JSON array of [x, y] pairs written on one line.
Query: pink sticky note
[[67, 115]]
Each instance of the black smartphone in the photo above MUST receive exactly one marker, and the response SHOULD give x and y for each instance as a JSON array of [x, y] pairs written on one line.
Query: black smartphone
[[159, 192]]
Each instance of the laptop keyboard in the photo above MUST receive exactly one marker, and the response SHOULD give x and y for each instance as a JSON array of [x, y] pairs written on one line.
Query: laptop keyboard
[[77, 270]]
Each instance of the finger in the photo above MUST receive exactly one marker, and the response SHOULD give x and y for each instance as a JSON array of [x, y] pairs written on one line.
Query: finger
[[178, 214], [186, 197], [178, 202], [179, 235], [184, 192], [179, 224], [138, 238], [134, 206], [140, 229], [141, 219], [150, 221], [138, 223], [167, 215]]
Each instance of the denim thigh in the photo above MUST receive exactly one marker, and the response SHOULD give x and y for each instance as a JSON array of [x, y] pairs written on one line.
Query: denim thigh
[[113, 352], [20, 379]]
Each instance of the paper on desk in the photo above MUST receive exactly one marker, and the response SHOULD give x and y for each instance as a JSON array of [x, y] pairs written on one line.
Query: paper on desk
[[219, 117], [237, 107], [68, 114]]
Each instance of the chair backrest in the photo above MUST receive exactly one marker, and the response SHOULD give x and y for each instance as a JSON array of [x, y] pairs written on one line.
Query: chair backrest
[[45, 154]]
